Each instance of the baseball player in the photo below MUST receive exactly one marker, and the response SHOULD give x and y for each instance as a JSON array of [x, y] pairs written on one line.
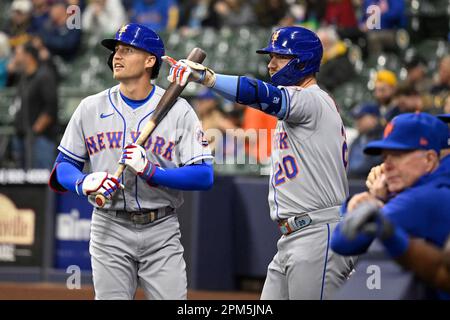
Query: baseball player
[[308, 179], [135, 238], [418, 191]]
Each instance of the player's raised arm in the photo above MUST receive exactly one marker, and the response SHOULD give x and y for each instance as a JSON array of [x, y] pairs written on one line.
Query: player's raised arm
[[252, 92], [295, 55]]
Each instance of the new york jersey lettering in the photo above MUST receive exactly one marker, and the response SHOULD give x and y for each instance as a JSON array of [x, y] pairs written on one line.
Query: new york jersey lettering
[[98, 143]]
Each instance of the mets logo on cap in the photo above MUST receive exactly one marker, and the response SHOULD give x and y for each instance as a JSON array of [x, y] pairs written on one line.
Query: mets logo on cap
[[423, 142], [388, 130]]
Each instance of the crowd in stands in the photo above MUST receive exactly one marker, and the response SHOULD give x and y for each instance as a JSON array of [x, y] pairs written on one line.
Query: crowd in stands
[[39, 30]]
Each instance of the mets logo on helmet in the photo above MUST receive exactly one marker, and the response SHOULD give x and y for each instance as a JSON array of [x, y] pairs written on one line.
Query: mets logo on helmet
[[123, 29], [275, 37]]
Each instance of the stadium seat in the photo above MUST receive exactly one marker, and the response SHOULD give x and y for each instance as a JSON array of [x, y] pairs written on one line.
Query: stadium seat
[[6, 101]]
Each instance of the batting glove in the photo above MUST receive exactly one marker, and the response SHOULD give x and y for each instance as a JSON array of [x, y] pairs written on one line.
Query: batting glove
[[185, 70], [135, 158], [98, 183], [367, 218]]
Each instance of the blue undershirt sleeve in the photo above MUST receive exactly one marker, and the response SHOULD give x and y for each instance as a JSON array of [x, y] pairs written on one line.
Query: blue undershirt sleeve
[[344, 246], [226, 86], [68, 171], [397, 244], [67, 175], [192, 177]]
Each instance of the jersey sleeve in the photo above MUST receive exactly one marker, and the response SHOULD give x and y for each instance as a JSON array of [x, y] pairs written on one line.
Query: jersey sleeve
[[72, 143], [406, 210], [303, 106], [193, 145]]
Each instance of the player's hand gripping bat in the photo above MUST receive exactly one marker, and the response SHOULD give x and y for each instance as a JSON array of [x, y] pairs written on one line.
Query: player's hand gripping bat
[[163, 107]]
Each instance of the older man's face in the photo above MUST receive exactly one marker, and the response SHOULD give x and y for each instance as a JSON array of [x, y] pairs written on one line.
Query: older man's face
[[404, 168]]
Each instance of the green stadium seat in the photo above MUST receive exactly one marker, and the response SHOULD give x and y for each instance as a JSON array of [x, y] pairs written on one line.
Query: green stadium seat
[[432, 7], [7, 96], [351, 93], [433, 48]]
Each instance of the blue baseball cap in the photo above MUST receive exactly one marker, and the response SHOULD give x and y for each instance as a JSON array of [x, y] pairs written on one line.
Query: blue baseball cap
[[365, 109], [411, 131]]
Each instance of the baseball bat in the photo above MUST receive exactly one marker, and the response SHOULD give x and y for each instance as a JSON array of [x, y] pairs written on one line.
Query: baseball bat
[[164, 105]]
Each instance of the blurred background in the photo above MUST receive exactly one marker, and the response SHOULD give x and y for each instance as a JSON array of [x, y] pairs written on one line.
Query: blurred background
[[374, 68]]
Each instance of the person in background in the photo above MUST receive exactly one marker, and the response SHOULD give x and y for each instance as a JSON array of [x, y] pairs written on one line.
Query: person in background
[[56, 36], [264, 125], [447, 105], [384, 93], [341, 14], [408, 99], [416, 75], [234, 13], [442, 85], [103, 17], [270, 13], [392, 13], [382, 35], [193, 13], [368, 123], [40, 14], [35, 120], [18, 27], [5, 55], [158, 15], [206, 105], [336, 67]]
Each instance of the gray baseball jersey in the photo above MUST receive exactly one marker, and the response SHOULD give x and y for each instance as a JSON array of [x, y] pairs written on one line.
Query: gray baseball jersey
[[309, 155], [308, 176], [103, 124], [123, 253]]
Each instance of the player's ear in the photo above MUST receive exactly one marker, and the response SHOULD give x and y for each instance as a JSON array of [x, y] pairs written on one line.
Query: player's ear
[[150, 61]]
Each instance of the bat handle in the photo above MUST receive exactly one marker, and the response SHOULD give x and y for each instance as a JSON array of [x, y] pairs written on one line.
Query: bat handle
[[100, 199]]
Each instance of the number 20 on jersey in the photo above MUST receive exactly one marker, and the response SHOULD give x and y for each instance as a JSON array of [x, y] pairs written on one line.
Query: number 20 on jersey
[[287, 169]]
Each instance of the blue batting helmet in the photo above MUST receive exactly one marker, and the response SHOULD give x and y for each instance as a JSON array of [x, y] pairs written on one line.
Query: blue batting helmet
[[141, 37], [303, 45]]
